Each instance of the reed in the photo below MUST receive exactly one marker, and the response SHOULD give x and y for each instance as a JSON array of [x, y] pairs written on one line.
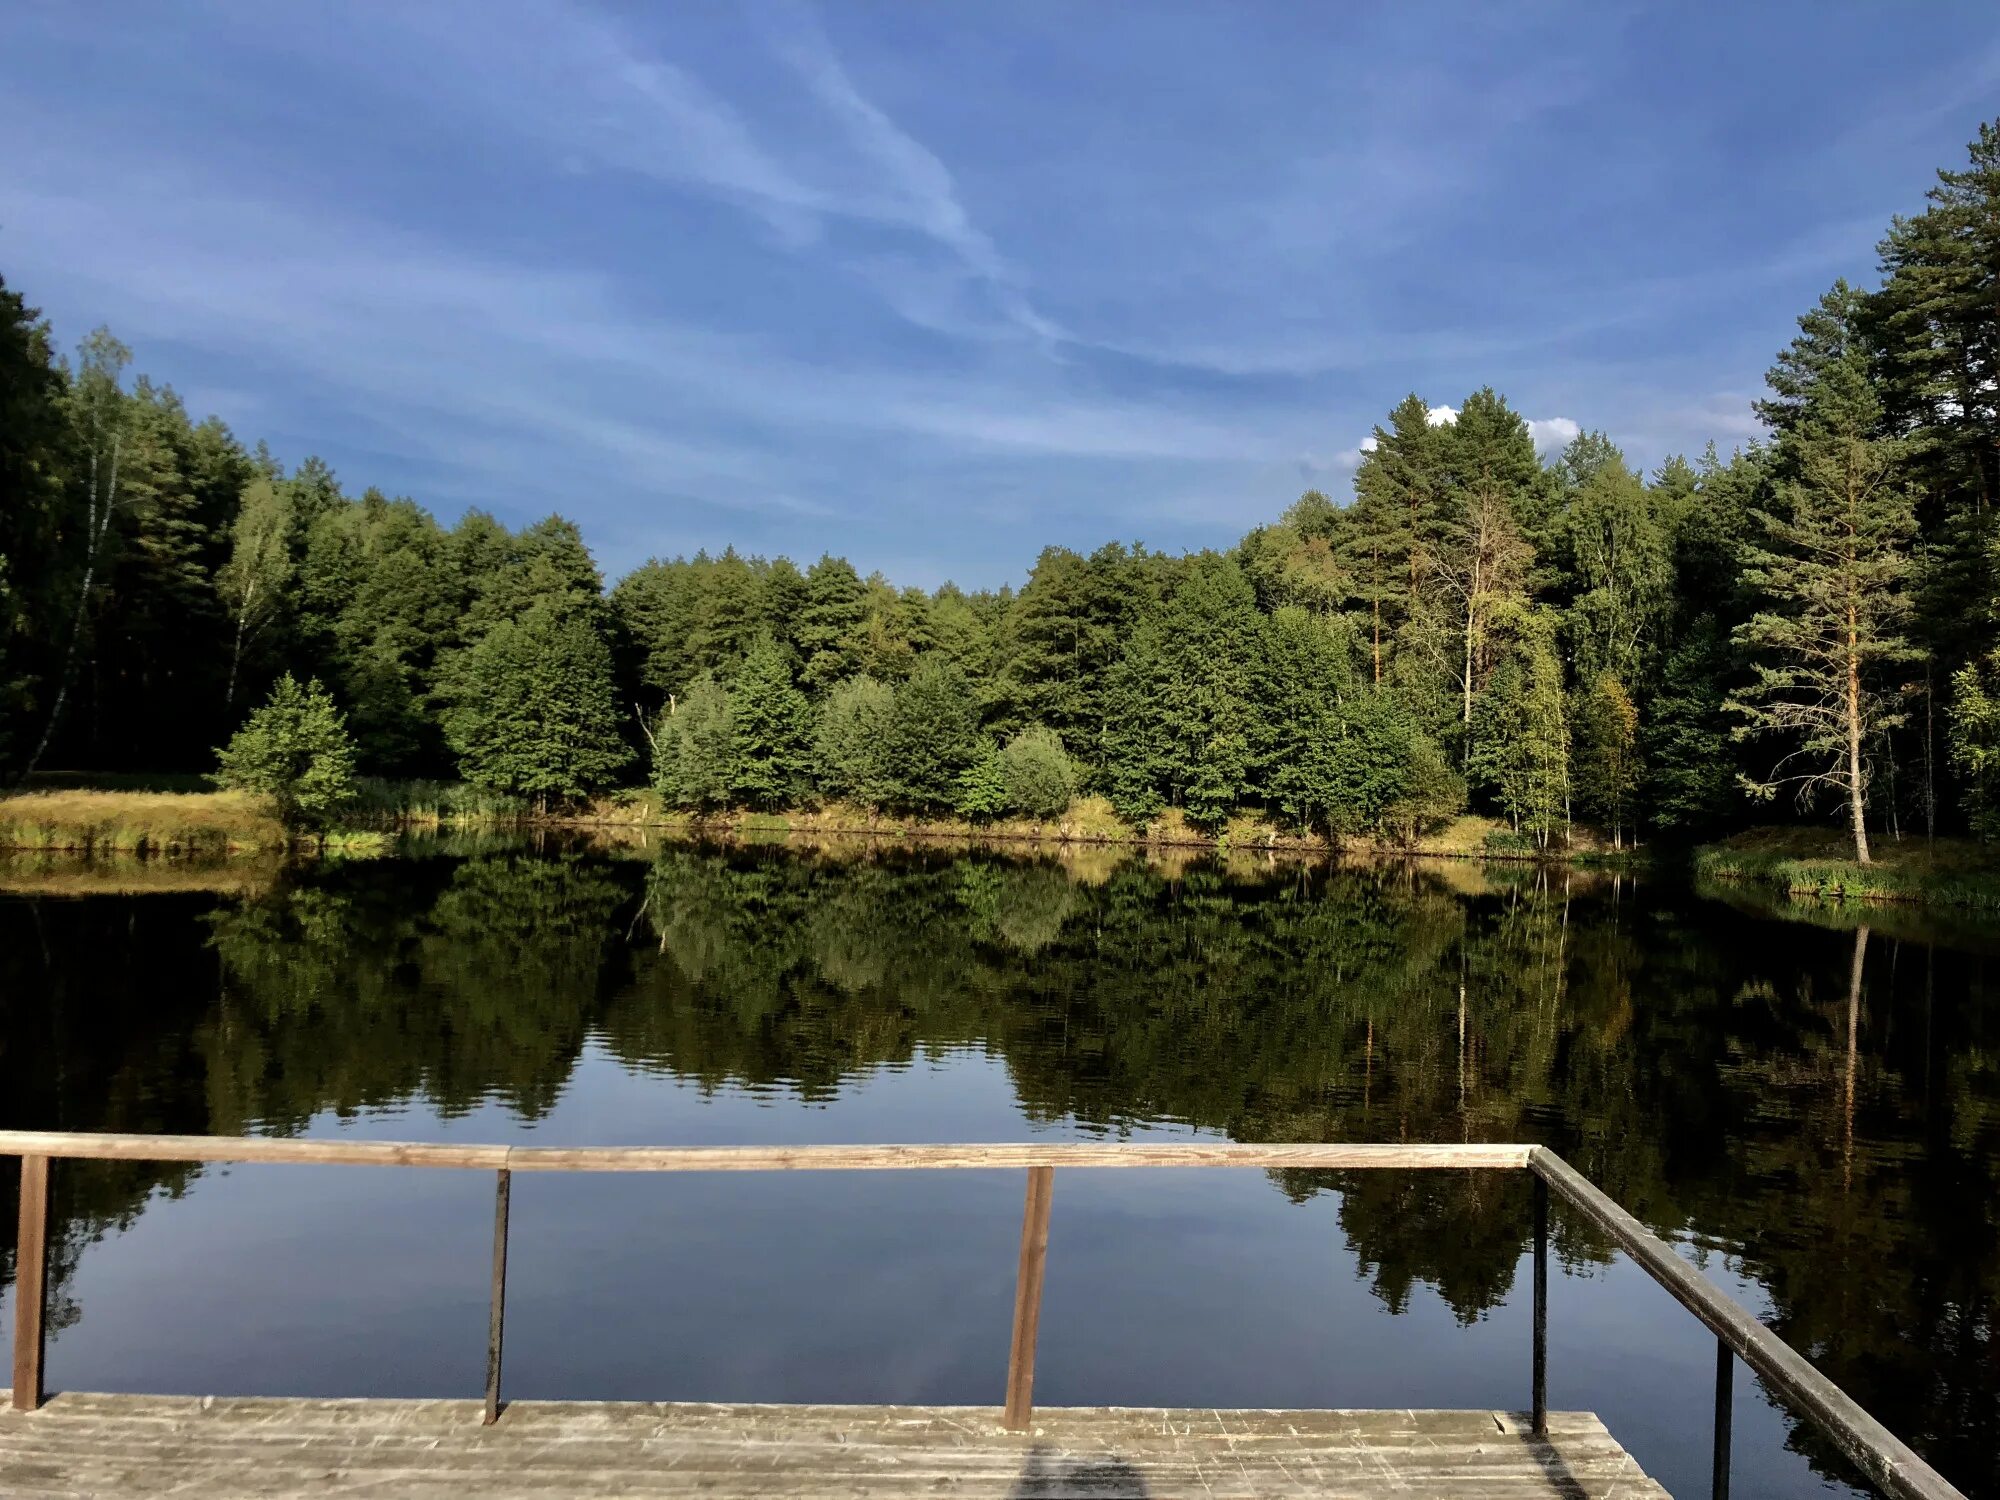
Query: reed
[[124, 822]]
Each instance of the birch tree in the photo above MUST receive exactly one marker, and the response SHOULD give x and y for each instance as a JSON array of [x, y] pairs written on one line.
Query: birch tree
[[97, 411], [252, 583]]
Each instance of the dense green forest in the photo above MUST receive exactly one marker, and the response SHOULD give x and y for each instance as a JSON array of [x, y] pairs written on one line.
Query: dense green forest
[[1809, 621]]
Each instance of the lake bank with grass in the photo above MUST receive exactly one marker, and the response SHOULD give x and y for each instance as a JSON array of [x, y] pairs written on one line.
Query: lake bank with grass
[[173, 816], [1818, 865]]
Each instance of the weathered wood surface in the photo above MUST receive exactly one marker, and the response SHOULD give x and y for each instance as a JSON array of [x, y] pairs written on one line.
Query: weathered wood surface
[[1191, 1153], [92, 1445]]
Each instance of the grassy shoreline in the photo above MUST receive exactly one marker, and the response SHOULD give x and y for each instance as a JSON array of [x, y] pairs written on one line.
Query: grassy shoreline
[[1803, 865], [1810, 865], [176, 823]]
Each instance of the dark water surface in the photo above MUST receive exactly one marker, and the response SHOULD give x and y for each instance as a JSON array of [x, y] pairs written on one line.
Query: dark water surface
[[1831, 1154]]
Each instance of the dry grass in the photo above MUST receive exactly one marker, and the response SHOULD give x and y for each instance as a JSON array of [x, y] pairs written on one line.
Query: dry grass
[[106, 822]]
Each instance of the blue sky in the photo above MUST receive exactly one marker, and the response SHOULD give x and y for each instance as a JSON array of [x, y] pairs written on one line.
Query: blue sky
[[934, 285]]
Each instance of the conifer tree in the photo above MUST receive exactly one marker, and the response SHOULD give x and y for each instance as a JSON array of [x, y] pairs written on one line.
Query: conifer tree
[[1831, 573], [294, 750], [1392, 528], [772, 724], [933, 735], [532, 710], [830, 623]]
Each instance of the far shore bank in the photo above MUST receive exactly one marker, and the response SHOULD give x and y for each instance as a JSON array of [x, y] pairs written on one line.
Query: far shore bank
[[1802, 864]]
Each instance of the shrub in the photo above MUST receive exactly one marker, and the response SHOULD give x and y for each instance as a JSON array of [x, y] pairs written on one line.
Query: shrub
[[294, 750], [1037, 774]]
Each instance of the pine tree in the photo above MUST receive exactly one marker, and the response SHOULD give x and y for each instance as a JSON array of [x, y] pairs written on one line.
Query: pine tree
[[1685, 744], [1179, 701], [933, 735], [830, 623], [1392, 528], [1831, 571], [772, 724], [532, 710], [294, 750]]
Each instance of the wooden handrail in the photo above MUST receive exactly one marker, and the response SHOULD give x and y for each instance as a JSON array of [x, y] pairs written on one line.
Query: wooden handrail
[[316, 1150], [1888, 1462]]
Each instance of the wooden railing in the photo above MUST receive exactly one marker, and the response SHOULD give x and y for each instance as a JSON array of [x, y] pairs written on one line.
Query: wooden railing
[[1889, 1464]]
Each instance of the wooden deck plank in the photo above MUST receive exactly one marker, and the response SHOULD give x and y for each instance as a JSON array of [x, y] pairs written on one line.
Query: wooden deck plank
[[278, 1448]]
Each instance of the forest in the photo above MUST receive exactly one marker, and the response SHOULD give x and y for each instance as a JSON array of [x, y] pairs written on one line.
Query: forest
[[1803, 628]]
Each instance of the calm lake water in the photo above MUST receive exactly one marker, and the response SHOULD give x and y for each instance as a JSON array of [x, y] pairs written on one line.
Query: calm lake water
[[1832, 1156]]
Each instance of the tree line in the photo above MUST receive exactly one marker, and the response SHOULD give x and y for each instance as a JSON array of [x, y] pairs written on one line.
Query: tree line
[[1473, 628]]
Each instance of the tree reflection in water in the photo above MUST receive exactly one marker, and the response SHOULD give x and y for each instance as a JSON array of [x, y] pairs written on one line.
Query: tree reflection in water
[[1819, 1100]]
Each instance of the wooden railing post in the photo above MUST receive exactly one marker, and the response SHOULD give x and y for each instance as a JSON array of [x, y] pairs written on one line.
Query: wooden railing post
[[1540, 1396], [1028, 1298], [496, 1317], [31, 1278], [1725, 1369]]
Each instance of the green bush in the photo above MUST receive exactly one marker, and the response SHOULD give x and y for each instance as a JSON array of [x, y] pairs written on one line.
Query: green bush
[[296, 751], [1037, 774]]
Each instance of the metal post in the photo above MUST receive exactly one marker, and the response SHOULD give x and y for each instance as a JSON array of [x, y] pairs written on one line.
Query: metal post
[[1028, 1298], [1725, 1368], [1541, 1396], [31, 1278], [497, 1314]]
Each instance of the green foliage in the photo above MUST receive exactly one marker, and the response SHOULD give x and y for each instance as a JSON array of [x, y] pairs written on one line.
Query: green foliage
[[1179, 699], [1520, 743], [1606, 743], [1036, 773], [851, 742], [982, 785], [1685, 735], [1831, 571], [532, 709], [1975, 742], [772, 725], [296, 751], [1470, 603], [933, 736], [694, 749]]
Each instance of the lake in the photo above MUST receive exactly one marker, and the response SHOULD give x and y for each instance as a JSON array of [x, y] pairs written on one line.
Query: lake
[[1831, 1153]]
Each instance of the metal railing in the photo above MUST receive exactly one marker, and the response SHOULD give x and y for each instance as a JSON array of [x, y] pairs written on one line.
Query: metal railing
[[1888, 1463]]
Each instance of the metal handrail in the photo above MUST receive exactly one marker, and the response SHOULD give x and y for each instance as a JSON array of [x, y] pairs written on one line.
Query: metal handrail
[[1890, 1464]]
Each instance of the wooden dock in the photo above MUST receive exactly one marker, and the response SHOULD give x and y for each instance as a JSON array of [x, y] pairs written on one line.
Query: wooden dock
[[146, 1445], [92, 1445]]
